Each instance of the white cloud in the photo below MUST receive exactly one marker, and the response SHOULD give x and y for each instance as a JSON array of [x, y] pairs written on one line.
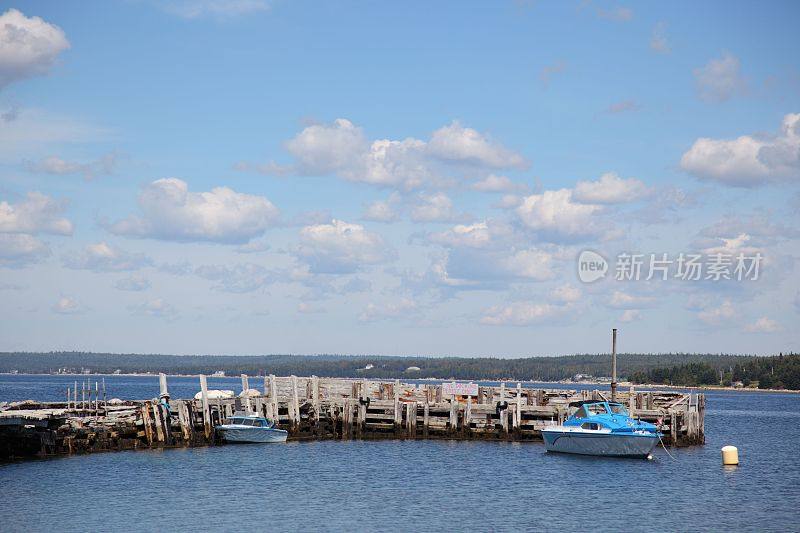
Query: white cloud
[[718, 316], [67, 305], [401, 309], [254, 246], [341, 148], [29, 46], [719, 79], [476, 235], [471, 269], [60, 167], [381, 211], [341, 247], [156, 307], [536, 265], [609, 189], [38, 213], [402, 164], [555, 216], [101, 257], [508, 201], [322, 148], [457, 143], [436, 207], [748, 161], [658, 41], [19, 250], [732, 246], [171, 212], [630, 315], [134, 283], [193, 9], [521, 314], [495, 183], [763, 325], [623, 300], [239, 278], [565, 294]]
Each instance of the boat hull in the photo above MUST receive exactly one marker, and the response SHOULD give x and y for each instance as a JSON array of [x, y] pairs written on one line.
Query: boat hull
[[253, 435], [599, 443]]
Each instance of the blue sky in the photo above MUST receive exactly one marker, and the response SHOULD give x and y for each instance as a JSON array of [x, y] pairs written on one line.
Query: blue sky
[[248, 176]]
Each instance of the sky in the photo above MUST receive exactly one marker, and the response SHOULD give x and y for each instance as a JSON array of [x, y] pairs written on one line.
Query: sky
[[509, 178]]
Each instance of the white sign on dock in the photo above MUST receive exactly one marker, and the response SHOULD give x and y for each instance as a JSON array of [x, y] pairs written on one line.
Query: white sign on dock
[[459, 389]]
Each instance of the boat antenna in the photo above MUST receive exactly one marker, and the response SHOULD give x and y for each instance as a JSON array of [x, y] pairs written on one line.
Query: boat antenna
[[614, 365]]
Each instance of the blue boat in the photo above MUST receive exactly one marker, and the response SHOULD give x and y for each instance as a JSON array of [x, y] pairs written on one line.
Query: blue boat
[[250, 429], [602, 428]]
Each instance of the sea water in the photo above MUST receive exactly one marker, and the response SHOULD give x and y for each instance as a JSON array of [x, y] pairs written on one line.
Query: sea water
[[391, 485]]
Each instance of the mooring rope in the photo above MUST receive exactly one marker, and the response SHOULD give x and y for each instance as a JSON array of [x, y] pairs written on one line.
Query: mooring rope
[[665, 448]]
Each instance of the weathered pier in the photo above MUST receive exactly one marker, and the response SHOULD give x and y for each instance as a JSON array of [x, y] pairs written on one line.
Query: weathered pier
[[325, 408]]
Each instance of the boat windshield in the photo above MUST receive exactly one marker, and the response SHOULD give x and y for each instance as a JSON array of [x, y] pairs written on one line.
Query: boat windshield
[[618, 409], [596, 409], [238, 421]]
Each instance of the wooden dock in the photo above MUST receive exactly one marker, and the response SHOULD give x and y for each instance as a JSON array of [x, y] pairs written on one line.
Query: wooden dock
[[326, 408]]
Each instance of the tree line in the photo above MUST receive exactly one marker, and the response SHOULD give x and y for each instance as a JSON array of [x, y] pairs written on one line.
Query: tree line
[[542, 368], [775, 372]]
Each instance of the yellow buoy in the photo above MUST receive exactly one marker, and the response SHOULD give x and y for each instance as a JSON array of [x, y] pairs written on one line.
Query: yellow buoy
[[730, 455]]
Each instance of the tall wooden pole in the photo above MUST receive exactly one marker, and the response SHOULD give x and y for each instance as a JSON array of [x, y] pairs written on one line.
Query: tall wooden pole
[[614, 365]]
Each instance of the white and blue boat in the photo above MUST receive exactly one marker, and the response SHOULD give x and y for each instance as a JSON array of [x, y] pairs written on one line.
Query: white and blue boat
[[250, 429], [602, 428]]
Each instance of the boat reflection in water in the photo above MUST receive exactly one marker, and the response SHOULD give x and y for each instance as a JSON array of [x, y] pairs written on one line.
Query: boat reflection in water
[[601, 428], [250, 429]]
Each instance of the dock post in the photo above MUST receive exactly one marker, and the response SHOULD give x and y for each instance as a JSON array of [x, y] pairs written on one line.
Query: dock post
[[397, 413], [347, 420], [158, 419], [148, 430], [673, 427], [315, 399], [518, 410], [614, 365], [425, 417], [295, 403], [632, 403], [467, 425], [363, 394], [453, 413], [162, 385], [245, 388], [273, 396], [206, 407]]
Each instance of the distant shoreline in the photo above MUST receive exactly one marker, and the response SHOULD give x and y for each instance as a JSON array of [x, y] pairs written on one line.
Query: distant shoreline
[[595, 383]]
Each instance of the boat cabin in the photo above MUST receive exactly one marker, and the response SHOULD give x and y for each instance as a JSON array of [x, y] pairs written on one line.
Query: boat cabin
[[588, 409], [250, 421]]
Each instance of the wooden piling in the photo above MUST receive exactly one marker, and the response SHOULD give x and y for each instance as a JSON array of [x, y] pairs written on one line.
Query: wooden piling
[[206, 406]]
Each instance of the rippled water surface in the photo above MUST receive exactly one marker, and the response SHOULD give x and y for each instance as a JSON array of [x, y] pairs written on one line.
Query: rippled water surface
[[412, 485]]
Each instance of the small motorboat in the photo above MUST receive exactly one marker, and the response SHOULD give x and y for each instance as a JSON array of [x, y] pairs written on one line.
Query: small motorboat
[[602, 428], [251, 429]]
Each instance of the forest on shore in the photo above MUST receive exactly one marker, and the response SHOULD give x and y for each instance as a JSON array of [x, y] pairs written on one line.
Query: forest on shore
[[674, 369], [775, 372]]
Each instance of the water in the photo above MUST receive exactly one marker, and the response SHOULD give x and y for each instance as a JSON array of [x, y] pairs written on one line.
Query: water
[[412, 485]]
